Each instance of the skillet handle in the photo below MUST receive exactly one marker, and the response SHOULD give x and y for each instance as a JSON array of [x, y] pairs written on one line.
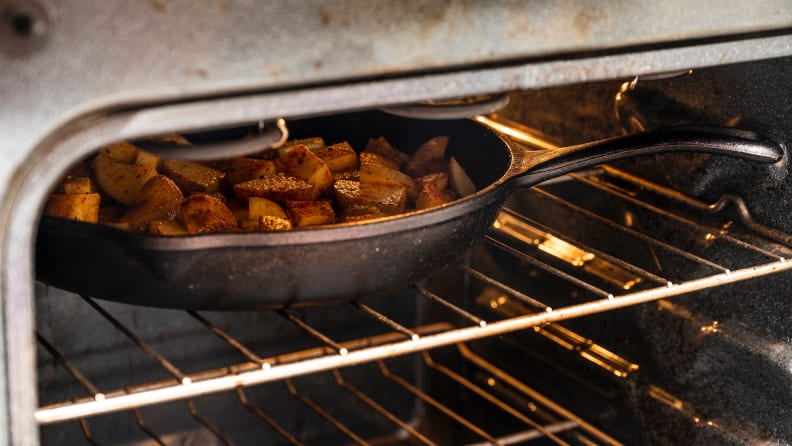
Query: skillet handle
[[536, 167]]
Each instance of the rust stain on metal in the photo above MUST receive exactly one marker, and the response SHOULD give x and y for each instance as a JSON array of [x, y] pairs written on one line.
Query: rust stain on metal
[[324, 17], [157, 5]]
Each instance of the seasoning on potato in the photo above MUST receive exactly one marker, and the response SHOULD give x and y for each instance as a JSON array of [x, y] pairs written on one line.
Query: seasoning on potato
[[308, 183]]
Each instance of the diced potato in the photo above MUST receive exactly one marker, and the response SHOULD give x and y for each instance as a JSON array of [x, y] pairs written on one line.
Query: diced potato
[[80, 185], [431, 150], [309, 143], [121, 182], [459, 180], [191, 176], [382, 147], [165, 227], [351, 174], [272, 223], [388, 198], [175, 138], [439, 180], [160, 199], [123, 152], [310, 213], [244, 169], [279, 188], [338, 157], [204, 213], [360, 213], [239, 208], [80, 207], [147, 159], [376, 174], [431, 196], [373, 158], [300, 162], [262, 207]]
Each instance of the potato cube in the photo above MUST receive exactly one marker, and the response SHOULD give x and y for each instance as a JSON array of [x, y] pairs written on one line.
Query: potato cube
[[120, 181], [280, 188], [360, 213], [338, 157], [80, 185], [376, 174], [244, 169], [431, 196], [309, 143], [373, 158], [191, 176], [165, 227], [204, 213], [389, 198], [261, 207], [80, 207], [429, 152], [310, 213], [160, 199], [147, 159], [439, 180], [382, 147], [272, 223], [300, 162], [123, 152]]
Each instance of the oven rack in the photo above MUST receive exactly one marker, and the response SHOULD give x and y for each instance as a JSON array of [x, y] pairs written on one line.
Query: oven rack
[[518, 235]]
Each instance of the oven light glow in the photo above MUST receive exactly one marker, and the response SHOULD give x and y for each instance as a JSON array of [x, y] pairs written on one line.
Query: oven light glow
[[712, 328]]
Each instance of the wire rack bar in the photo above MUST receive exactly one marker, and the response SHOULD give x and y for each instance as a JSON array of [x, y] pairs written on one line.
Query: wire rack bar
[[113, 403], [630, 231], [229, 339], [458, 310], [142, 426], [205, 423], [379, 317], [313, 332], [76, 374], [265, 418], [143, 345], [323, 413]]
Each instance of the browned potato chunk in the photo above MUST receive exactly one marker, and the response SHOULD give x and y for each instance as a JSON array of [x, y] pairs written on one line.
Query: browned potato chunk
[[160, 199], [80, 185], [376, 174], [438, 179], [300, 162], [373, 158], [121, 182], [360, 213], [280, 188], [261, 207], [123, 152], [431, 196], [388, 198], [382, 147], [338, 157], [244, 169], [309, 143], [166, 227], [430, 151], [205, 213], [80, 207], [191, 176], [310, 213], [147, 159], [272, 223]]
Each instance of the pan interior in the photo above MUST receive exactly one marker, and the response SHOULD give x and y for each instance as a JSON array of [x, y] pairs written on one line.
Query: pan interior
[[483, 154]]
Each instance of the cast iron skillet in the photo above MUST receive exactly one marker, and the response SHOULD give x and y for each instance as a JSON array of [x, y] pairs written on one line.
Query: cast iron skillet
[[258, 270]]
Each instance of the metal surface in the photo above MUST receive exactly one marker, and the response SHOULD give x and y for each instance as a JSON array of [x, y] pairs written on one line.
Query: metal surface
[[226, 271], [64, 61]]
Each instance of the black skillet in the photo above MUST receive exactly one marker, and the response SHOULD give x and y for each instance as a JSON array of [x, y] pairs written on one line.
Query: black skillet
[[257, 270]]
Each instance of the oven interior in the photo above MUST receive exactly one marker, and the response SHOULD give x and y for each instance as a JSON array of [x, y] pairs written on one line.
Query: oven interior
[[611, 306]]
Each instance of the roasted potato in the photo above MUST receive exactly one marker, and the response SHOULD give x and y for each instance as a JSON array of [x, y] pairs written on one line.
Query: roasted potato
[[191, 176], [388, 198], [300, 162], [382, 147], [280, 188], [205, 213], [120, 181], [310, 213], [244, 169], [80, 207], [160, 199], [377, 174], [338, 157], [425, 160]]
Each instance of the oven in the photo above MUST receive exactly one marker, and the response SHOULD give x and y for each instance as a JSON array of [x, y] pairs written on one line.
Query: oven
[[640, 302]]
